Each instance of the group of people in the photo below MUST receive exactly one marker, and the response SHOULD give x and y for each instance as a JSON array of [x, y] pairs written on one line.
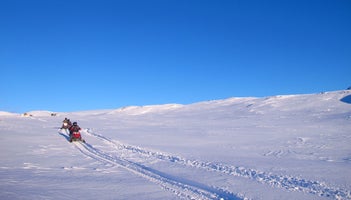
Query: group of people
[[72, 127]]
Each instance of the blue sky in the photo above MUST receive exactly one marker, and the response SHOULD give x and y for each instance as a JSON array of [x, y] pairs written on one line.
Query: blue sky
[[71, 55]]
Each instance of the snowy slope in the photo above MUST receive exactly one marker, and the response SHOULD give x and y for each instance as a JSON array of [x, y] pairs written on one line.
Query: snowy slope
[[279, 147]]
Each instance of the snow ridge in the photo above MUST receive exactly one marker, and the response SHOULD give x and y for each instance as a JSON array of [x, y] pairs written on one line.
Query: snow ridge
[[287, 182]]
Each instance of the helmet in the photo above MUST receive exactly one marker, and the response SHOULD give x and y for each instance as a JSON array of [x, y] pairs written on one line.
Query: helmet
[[74, 123]]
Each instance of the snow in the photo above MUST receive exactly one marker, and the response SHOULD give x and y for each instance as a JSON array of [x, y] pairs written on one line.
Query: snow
[[279, 147], [3, 113], [139, 110]]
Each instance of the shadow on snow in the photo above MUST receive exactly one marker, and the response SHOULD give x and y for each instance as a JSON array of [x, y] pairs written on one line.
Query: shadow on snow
[[64, 135], [346, 99]]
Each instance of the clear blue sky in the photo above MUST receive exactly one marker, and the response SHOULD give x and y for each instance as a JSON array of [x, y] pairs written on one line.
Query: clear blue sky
[[71, 55]]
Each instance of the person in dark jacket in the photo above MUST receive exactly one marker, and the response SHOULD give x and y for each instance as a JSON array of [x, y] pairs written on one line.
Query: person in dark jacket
[[73, 128]]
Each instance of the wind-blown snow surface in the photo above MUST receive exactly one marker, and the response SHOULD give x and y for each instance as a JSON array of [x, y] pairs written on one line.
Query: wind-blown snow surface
[[281, 147]]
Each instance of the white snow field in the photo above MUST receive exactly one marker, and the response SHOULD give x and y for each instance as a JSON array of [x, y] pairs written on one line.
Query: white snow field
[[279, 147]]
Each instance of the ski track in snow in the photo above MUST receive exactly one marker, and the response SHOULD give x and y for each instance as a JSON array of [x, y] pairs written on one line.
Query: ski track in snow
[[185, 189], [188, 190]]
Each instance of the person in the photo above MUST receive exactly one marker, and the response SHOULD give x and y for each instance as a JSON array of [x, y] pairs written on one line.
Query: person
[[65, 120], [74, 128], [66, 123]]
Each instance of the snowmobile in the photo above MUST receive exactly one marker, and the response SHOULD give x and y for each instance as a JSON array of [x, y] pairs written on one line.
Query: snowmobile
[[76, 136], [65, 125]]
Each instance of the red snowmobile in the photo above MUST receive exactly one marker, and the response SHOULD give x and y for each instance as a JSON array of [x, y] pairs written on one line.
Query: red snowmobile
[[75, 133], [76, 136]]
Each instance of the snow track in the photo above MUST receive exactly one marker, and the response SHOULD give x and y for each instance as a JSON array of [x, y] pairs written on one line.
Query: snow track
[[185, 189], [188, 189]]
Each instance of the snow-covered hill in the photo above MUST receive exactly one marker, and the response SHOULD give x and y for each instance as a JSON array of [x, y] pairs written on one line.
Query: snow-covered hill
[[279, 147]]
